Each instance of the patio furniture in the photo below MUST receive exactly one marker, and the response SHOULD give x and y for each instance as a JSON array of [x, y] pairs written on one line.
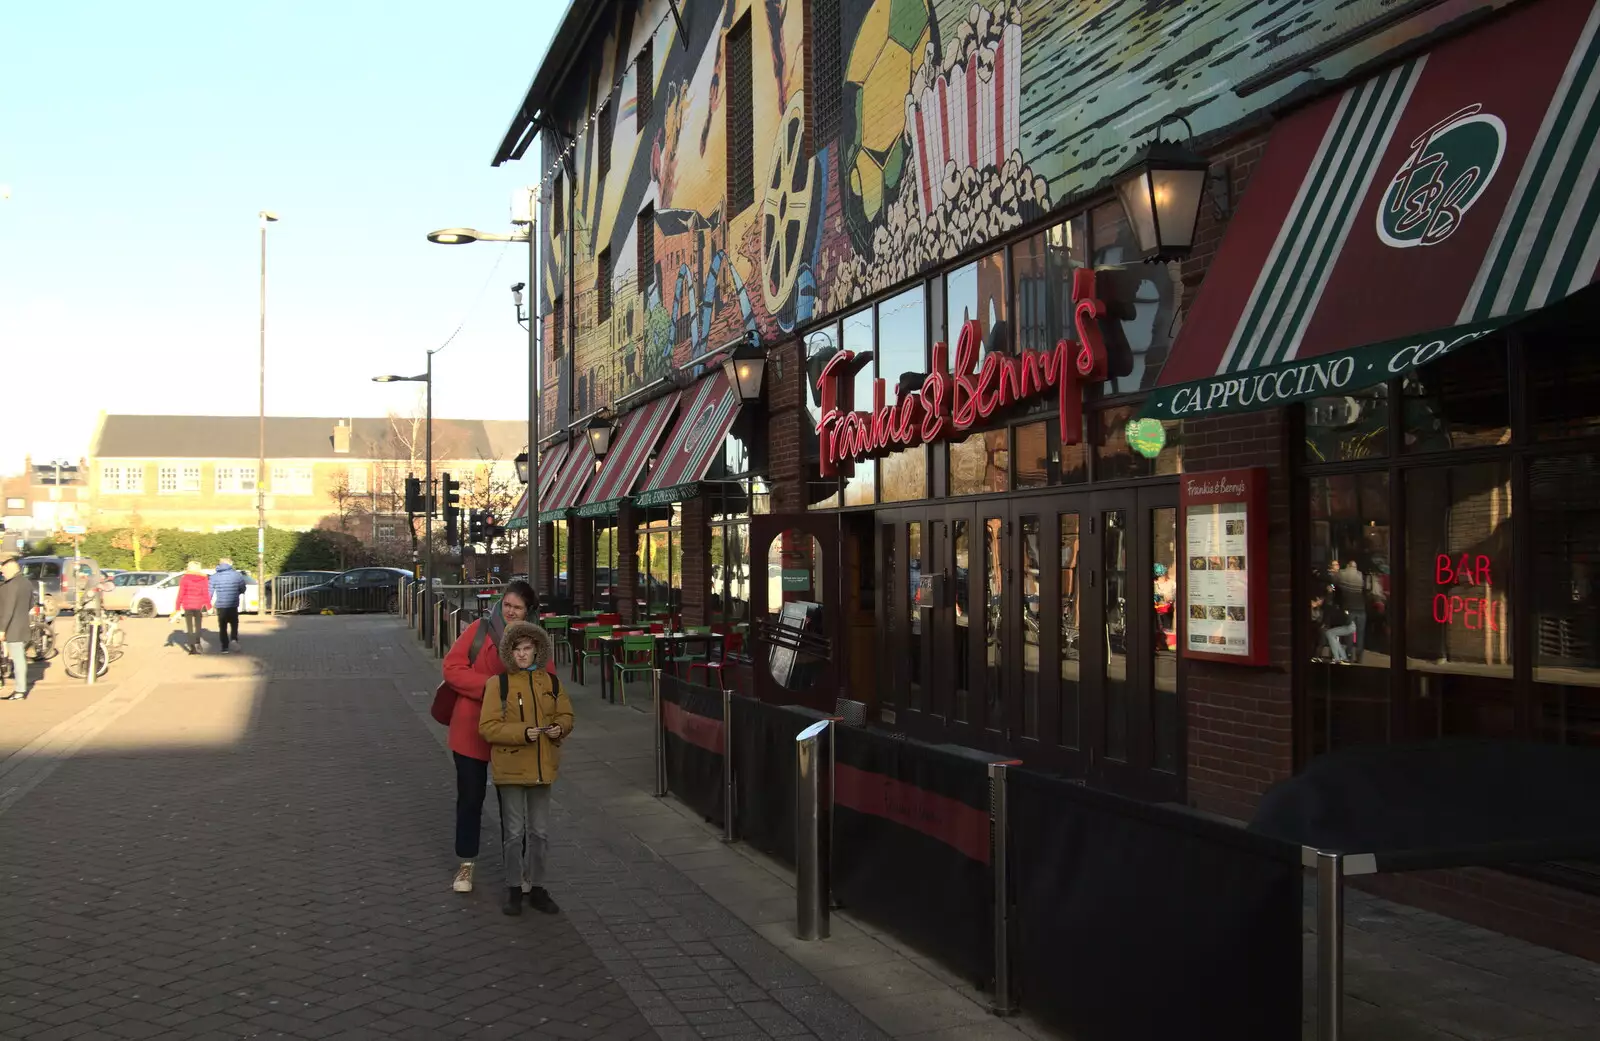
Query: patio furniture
[[594, 637], [637, 657]]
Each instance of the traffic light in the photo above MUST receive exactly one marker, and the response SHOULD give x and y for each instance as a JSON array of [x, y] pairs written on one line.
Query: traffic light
[[491, 530], [452, 501], [477, 530], [414, 503]]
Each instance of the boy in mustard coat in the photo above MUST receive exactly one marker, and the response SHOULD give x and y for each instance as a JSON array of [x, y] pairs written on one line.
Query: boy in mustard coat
[[526, 715]]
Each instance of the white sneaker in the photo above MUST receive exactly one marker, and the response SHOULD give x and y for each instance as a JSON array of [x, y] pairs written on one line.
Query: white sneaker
[[463, 882]]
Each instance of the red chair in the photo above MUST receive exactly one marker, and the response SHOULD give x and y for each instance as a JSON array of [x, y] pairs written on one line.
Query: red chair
[[657, 627], [608, 619], [732, 643]]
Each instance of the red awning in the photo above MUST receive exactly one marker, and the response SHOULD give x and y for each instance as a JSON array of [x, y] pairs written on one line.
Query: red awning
[[1412, 214], [709, 409], [574, 476], [631, 447], [550, 460]]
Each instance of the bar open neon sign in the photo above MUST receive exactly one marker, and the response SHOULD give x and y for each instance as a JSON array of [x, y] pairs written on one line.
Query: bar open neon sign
[[1470, 612]]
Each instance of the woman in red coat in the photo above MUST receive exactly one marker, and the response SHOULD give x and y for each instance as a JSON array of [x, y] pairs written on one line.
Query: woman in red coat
[[467, 668], [194, 600]]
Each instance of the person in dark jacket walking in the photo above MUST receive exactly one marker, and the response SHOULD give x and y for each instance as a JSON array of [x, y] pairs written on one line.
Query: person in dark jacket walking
[[194, 600], [16, 604], [227, 586]]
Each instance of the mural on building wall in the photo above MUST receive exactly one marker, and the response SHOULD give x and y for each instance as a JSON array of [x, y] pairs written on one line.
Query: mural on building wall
[[960, 121]]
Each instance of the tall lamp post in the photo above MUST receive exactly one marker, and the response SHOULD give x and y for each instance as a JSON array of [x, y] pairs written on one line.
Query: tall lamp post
[[266, 217], [427, 522], [525, 213]]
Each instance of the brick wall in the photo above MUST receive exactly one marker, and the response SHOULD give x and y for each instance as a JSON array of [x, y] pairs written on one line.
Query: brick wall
[[547, 559], [696, 535], [786, 419]]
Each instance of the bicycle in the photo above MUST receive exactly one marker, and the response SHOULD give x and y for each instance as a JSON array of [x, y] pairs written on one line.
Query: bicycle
[[106, 648], [41, 635]]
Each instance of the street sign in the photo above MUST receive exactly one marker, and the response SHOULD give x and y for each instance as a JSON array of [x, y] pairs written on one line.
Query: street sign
[[75, 529]]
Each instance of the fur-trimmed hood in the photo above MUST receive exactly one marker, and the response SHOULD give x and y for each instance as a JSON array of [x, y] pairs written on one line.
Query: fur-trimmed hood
[[516, 631]]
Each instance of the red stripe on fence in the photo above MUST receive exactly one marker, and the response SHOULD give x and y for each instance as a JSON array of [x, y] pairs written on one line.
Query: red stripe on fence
[[695, 729], [947, 820]]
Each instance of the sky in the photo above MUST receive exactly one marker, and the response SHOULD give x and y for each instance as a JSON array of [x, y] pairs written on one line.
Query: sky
[[138, 143]]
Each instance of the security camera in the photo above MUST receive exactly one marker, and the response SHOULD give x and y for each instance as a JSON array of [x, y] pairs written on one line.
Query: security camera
[[519, 287], [516, 295]]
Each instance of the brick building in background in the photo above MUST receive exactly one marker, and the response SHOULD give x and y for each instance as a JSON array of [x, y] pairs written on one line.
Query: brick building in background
[[878, 192]]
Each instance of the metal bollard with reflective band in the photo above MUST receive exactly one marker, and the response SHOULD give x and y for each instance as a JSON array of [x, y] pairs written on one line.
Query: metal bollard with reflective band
[[1000, 871], [727, 767], [813, 826], [660, 733]]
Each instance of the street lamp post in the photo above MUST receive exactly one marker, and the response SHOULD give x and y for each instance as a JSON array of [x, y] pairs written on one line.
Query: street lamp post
[[527, 216], [427, 513], [266, 217]]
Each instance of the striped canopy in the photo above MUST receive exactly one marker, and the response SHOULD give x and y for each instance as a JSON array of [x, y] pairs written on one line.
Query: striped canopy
[[1408, 216], [709, 409]]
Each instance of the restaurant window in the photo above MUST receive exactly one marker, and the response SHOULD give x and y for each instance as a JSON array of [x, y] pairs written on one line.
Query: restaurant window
[[1565, 503], [902, 364], [979, 463], [731, 505], [559, 533], [1030, 455], [977, 291], [1458, 605], [659, 576], [1564, 384], [860, 487], [1459, 401], [1126, 446], [1347, 615], [1142, 302], [1030, 287], [1349, 427], [605, 563], [821, 345]]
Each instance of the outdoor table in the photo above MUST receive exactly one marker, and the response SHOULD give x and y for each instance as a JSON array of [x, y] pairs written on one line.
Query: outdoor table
[[576, 640], [673, 641], [613, 650]]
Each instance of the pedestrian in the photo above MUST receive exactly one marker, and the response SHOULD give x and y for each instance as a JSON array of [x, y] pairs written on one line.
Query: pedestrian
[[16, 608], [1335, 625], [227, 586], [1351, 583], [472, 661], [526, 716], [194, 600]]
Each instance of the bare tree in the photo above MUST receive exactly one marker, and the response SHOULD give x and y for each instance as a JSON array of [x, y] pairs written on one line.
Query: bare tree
[[138, 538], [348, 505]]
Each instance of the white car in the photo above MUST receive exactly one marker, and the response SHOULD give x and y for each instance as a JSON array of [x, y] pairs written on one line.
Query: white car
[[161, 599]]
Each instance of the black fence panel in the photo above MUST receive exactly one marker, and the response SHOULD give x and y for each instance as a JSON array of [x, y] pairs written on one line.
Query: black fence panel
[[1137, 922], [911, 845], [694, 744], [764, 766]]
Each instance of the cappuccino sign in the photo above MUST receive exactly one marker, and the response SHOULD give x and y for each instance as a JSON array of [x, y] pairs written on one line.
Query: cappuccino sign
[[952, 401]]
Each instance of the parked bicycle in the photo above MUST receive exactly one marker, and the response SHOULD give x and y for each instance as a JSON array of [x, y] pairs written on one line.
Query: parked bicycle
[[41, 634], [105, 649]]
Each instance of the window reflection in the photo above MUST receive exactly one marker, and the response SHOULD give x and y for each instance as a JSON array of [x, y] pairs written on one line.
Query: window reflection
[[963, 648], [994, 606], [1114, 566], [1071, 637], [1032, 618], [860, 487], [1142, 301], [1164, 719], [1566, 593], [914, 608]]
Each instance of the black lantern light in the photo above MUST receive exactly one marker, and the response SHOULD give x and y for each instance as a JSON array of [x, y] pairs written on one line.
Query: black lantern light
[[745, 367], [1161, 193], [522, 467], [599, 431]]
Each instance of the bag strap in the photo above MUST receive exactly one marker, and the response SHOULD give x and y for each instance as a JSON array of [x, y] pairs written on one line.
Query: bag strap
[[478, 636]]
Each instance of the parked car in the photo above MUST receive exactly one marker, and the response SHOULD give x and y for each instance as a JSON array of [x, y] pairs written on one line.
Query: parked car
[[286, 583], [53, 579], [126, 584], [115, 571], [359, 589], [161, 599]]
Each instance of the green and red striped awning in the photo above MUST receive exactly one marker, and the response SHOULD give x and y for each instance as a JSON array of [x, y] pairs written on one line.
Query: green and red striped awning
[[709, 409], [631, 448], [550, 460], [570, 483], [1414, 213]]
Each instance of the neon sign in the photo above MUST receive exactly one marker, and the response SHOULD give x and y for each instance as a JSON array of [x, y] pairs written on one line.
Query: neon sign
[[1470, 612], [952, 401]]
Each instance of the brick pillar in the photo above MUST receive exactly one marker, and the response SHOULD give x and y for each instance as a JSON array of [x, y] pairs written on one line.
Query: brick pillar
[[786, 422], [1241, 720], [627, 567], [580, 563], [696, 536]]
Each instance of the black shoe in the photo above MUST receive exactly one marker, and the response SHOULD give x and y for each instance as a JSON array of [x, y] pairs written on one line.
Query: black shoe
[[513, 905], [540, 900]]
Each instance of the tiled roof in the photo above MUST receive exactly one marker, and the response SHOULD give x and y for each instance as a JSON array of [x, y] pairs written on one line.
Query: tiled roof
[[294, 437]]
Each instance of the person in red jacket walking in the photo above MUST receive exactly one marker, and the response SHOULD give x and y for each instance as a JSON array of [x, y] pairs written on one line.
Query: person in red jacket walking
[[194, 600], [473, 658]]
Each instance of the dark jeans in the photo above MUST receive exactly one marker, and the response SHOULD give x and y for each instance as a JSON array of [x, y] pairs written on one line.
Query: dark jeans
[[228, 618], [472, 780], [192, 620]]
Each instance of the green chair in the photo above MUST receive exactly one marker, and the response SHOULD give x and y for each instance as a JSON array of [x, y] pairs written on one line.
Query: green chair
[[593, 647], [560, 636], [687, 655], [638, 659]]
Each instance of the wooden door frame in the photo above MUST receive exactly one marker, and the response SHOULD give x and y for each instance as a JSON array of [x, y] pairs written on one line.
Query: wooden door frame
[[826, 530]]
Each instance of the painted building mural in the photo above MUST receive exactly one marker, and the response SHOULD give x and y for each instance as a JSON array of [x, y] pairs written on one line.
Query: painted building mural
[[957, 122]]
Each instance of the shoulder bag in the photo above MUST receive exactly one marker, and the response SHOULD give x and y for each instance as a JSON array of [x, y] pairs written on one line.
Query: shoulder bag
[[444, 697]]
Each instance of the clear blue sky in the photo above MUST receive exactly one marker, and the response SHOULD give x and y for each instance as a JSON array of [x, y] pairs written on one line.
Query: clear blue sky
[[139, 141]]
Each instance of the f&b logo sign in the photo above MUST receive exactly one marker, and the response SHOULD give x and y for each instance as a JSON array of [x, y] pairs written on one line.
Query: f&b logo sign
[[1450, 165]]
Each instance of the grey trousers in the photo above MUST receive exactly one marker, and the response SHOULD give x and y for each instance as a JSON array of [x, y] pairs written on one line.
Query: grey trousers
[[18, 653], [524, 831]]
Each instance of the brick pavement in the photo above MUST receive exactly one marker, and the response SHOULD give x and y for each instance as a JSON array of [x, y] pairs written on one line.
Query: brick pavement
[[258, 845]]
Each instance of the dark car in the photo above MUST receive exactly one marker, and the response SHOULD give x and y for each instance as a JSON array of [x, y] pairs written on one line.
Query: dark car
[[286, 583], [360, 589], [53, 578]]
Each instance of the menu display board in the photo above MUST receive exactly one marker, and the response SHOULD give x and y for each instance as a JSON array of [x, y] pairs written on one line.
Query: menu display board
[[1224, 592]]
